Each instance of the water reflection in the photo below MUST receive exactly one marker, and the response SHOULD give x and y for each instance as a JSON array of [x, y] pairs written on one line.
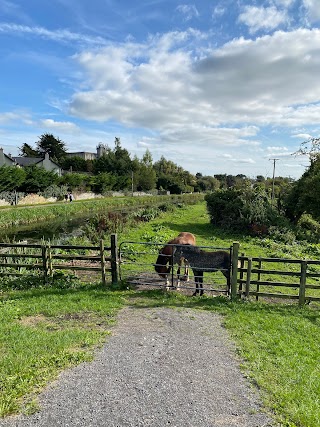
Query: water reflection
[[61, 229]]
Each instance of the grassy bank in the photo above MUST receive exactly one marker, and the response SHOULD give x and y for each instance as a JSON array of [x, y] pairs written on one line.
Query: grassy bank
[[45, 330], [22, 215]]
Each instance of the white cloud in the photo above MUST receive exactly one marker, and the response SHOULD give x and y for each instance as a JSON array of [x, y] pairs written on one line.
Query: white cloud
[[313, 9], [12, 117], [59, 35], [189, 11], [218, 11], [218, 98], [58, 126], [284, 3], [267, 18], [304, 136]]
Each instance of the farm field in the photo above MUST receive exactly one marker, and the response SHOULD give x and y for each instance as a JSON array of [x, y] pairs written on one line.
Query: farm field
[[278, 344]]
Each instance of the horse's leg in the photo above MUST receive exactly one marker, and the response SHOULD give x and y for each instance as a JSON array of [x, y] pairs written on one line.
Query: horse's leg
[[201, 282], [186, 270], [178, 273], [168, 282], [196, 278]]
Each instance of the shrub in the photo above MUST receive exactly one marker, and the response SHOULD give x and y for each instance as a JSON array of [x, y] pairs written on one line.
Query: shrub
[[239, 209], [308, 228]]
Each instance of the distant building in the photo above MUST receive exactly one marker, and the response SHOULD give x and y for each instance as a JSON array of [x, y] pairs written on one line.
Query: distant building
[[101, 149], [5, 159], [46, 162]]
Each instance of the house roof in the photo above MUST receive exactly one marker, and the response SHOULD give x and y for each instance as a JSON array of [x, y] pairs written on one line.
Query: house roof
[[27, 161]]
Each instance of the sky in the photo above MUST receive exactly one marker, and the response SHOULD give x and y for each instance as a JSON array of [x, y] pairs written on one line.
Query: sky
[[220, 86]]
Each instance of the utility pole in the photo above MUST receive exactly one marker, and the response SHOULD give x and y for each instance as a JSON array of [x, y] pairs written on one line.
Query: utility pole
[[132, 183], [274, 170]]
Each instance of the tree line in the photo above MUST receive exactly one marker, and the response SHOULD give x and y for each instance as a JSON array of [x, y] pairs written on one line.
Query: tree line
[[233, 200], [117, 170]]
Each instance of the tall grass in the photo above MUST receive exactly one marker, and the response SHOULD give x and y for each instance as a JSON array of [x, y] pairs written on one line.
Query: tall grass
[[21, 215]]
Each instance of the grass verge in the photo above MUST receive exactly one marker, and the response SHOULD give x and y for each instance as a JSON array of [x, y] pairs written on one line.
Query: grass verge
[[278, 345], [43, 331]]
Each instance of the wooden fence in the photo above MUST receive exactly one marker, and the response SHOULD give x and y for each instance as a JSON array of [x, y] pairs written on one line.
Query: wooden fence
[[249, 276], [294, 278], [15, 258]]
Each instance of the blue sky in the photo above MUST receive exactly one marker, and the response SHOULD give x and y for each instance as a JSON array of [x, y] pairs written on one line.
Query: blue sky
[[215, 86]]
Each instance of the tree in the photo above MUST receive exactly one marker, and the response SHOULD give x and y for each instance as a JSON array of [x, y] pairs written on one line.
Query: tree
[[74, 163], [206, 183], [145, 175], [11, 178], [48, 143], [37, 179], [304, 196], [240, 209], [79, 181], [27, 151], [103, 182]]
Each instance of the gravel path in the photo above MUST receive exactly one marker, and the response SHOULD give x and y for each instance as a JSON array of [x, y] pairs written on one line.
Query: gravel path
[[161, 367]]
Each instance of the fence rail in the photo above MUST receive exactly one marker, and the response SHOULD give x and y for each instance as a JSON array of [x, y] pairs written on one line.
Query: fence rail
[[258, 280], [49, 258], [249, 276]]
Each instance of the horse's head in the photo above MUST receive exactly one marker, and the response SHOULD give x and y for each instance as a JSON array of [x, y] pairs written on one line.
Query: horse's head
[[162, 265]]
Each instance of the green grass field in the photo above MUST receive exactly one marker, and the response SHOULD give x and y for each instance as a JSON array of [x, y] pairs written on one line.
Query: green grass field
[[43, 331]]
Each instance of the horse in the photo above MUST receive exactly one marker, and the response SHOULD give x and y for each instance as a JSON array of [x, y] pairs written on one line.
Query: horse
[[164, 260], [201, 261]]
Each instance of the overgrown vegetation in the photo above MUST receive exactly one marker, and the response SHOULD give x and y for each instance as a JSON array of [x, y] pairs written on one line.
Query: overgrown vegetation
[[20, 215]]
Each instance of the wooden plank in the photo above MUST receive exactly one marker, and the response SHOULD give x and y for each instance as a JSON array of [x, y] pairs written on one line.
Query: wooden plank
[[103, 263], [282, 273], [265, 283], [302, 289], [274, 295], [114, 259], [281, 260], [20, 256], [77, 267], [234, 273], [77, 257], [69, 247], [39, 266], [248, 277], [19, 245]]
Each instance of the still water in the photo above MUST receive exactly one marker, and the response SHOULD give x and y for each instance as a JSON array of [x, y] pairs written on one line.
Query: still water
[[61, 229]]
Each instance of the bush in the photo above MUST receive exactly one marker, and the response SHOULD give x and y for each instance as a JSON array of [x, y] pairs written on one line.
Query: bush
[[240, 209], [308, 228]]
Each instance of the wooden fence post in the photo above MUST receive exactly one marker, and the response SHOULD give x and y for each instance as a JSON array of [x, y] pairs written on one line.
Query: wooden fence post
[[234, 274], [103, 263], [114, 258], [44, 251], [258, 278], [248, 277], [303, 279], [49, 254], [241, 273]]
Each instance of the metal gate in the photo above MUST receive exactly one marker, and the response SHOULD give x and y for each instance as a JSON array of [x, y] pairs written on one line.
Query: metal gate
[[137, 267]]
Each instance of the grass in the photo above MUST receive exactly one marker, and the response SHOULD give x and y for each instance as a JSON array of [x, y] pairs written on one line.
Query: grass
[[43, 331], [278, 346], [22, 215]]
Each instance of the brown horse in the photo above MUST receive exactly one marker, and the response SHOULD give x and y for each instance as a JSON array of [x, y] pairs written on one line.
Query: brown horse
[[164, 260]]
